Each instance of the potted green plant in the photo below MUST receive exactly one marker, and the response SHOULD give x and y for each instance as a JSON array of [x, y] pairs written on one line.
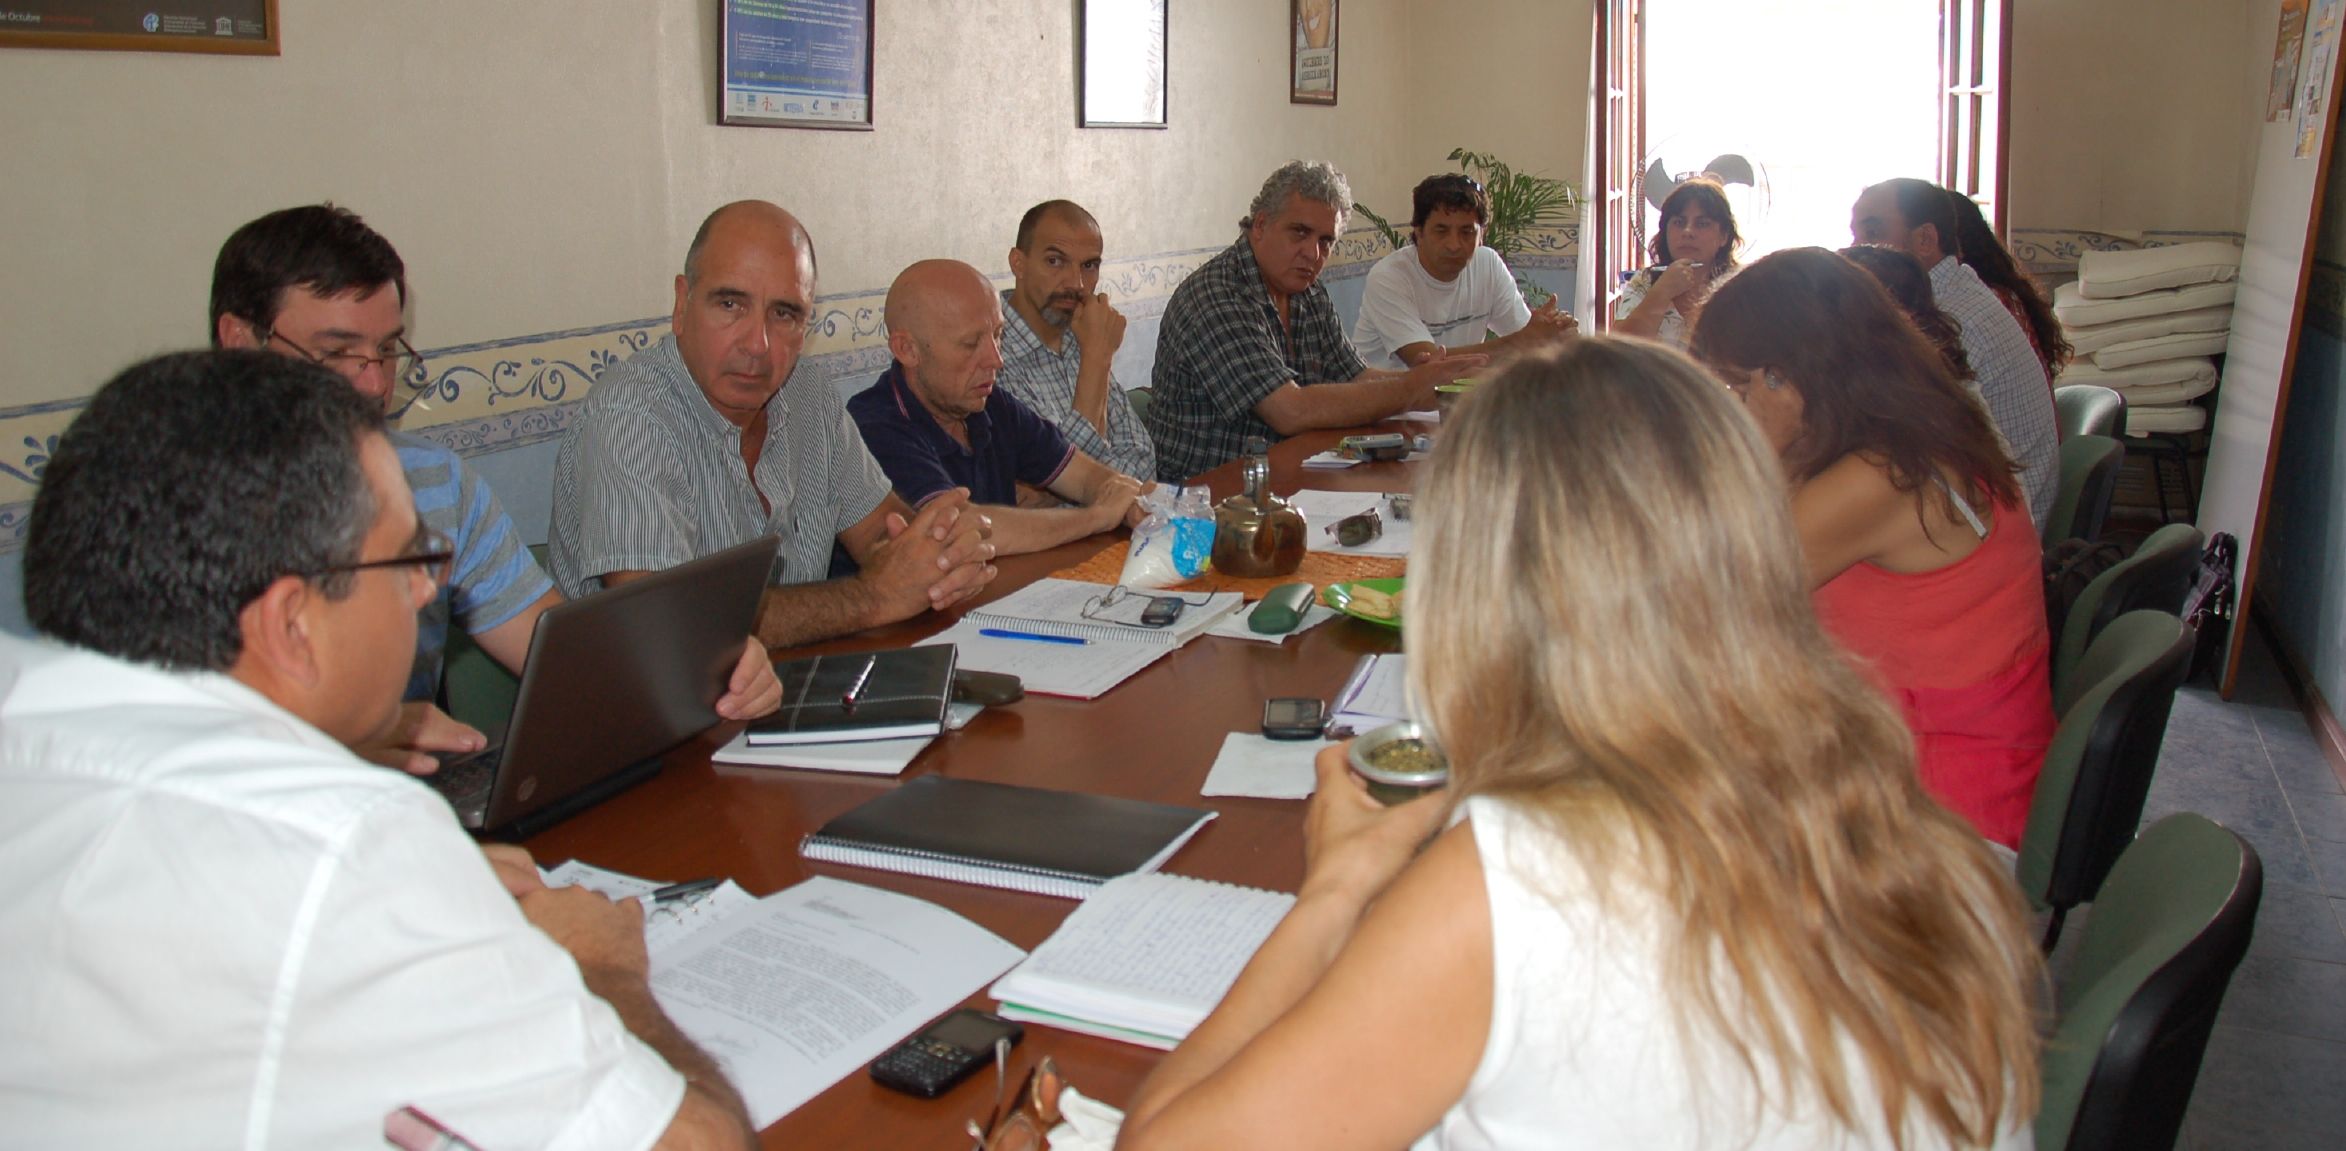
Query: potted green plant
[[1521, 203]]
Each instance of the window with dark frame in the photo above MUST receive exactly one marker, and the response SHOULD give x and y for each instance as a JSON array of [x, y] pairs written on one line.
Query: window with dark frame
[[1975, 119]]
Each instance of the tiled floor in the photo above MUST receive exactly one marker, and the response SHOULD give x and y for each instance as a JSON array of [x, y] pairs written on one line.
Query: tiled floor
[[2275, 1074]]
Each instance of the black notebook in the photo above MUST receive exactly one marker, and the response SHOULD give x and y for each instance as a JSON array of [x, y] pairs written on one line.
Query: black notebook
[[1059, 843], [895, 694]]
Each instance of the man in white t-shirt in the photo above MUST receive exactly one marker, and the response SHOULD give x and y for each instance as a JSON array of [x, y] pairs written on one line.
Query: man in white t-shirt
[[1447, 290], [223, 928]]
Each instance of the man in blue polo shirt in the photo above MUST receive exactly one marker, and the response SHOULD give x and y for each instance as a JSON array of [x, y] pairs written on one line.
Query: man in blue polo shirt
[[316, 283], [935, 421]]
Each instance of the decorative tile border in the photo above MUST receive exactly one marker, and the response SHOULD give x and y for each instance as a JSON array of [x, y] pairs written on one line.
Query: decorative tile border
[[500, 394], [2054, 252]]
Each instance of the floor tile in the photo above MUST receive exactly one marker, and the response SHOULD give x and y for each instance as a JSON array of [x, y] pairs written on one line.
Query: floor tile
[[2293, 923], [2301, 767], [2320, 815], [2289, 997], [2252, 1081], [2329, 861], [2253, 1136]]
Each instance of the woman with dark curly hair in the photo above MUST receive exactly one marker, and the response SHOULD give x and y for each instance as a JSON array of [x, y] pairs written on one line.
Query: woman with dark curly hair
[[1980, 250], [1694, 252]]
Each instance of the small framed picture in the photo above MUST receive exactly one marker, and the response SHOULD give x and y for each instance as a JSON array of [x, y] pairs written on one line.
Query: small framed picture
[[1123, 63], [224, 27], [795, 66], [1311, 70]]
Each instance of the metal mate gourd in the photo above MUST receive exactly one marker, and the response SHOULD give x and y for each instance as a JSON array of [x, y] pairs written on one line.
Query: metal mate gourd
[[1257, 534]]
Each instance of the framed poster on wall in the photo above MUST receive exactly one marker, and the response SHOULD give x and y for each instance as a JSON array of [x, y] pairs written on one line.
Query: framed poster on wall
[[795, 63], [1123, 63], [1311, 64], [227, 27]]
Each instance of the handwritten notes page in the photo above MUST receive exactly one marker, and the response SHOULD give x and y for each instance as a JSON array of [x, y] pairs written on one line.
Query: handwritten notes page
[[1081, 671], [1144, 960], [1378, 694]]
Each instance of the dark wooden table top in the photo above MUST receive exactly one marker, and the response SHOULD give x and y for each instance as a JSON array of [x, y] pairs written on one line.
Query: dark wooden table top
[[1151, 738]]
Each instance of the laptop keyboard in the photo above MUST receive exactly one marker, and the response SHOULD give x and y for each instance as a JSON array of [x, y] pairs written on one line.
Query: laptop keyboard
[[465, 781]]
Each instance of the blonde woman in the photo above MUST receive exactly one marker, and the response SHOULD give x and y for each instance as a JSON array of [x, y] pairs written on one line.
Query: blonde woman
[[1691, 894]]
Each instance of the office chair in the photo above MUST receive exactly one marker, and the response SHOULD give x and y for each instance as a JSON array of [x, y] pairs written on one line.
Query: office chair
[[2089, 479], [2088, 410], [2157, 577]]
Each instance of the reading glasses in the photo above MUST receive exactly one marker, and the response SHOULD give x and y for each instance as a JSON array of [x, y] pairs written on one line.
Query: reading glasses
[[437, 556]]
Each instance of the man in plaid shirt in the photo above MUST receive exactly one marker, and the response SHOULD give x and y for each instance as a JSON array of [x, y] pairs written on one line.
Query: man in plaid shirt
[[1251, 345]]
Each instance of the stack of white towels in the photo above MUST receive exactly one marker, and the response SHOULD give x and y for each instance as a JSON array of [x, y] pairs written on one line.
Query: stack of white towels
[[2147, 322]]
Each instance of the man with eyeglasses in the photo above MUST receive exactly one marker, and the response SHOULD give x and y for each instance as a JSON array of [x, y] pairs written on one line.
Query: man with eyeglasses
[[1251, 345], [315, 282], [696, 444], [223, 928], [1446, 289]]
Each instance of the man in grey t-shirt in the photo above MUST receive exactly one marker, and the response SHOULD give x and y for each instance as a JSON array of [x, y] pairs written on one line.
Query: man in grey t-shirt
[[695, 445]]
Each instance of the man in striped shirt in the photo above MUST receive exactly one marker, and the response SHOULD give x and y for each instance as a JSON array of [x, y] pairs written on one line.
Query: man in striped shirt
[[695, 445]]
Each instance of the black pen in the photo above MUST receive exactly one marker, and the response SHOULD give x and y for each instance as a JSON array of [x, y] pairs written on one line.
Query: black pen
[[862, 677], [676, 891]]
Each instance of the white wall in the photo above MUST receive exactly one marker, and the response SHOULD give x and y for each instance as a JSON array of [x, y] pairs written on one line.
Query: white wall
[[2132, 115], [541, 166]]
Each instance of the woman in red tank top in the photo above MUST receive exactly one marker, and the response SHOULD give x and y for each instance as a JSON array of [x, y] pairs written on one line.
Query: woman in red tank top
[[1917, 537]]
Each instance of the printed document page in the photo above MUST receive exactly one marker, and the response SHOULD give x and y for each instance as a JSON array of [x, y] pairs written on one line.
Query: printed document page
[[811, 983]]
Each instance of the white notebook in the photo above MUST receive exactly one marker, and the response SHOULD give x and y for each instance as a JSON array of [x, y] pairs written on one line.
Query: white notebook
[[1144, 960], [1059, 607]]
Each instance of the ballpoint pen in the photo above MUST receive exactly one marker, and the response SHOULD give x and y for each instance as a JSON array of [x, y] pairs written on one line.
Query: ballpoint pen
[[863, 677], [1032, 637], [675, 891]]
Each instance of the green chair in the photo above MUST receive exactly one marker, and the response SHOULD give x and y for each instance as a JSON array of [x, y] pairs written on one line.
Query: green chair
[[474, 687], [2089, 479], [2141, 995], [2097, 772], [1140, 399], [2157, 577], [2088, 410]]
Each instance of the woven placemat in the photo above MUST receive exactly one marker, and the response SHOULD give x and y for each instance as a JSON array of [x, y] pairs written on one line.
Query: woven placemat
[[1319, 569]]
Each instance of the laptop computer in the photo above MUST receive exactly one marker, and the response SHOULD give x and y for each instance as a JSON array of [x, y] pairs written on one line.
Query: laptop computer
[[612, 682]]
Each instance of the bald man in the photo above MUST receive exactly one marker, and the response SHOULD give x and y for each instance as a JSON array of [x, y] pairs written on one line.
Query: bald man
[[694, 445], [938, 425]]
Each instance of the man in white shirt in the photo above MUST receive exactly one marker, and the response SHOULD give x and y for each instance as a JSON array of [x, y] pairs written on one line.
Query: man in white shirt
[[1447, 289], [221, 927]]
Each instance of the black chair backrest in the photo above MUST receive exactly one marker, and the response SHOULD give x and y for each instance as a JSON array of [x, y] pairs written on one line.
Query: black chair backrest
[[2143, 992], [2123, 691], [2156, 577], [2088, 410]]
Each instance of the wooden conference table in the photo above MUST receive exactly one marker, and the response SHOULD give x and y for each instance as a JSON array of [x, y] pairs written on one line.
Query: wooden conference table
[[1151, 738]]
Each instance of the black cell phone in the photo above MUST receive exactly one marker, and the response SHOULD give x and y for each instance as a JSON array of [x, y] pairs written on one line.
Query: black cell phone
[[1290, 718], [944, 1053], [1162, 611]]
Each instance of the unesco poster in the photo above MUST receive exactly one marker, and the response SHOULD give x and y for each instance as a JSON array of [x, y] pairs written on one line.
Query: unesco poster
[[796, 63], [232, 26]]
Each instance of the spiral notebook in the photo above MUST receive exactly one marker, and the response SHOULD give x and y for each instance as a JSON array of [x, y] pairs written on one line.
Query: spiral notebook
[[1059, 843], [1144, 960], [1080, 610]]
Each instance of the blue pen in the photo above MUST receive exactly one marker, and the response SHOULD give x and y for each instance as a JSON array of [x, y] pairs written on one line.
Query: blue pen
[[1005, 633]]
